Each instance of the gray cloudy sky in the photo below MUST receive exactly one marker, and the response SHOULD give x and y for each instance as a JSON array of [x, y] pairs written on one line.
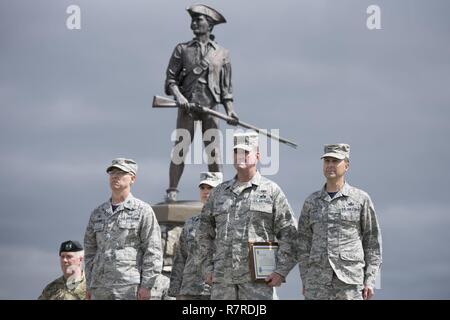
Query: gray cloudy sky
[[73, 100]]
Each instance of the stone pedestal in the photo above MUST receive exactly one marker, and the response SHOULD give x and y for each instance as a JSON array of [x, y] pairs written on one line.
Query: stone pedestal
[[176, 212], [171, 217]]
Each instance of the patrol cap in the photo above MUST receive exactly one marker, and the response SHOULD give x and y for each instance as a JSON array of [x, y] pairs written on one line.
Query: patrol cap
[[212, 179], [127, 165], [207, 11], [339, 151], [70, 246], [247, 141]]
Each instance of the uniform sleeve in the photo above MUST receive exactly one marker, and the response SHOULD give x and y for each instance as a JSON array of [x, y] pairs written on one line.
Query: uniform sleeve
[[225, 81], [44, 295], [174, 69], [90, 250], [205, 237], [150, 236], [371, 241], [304, 239], [50, 291], [179, 261], [286, 234]]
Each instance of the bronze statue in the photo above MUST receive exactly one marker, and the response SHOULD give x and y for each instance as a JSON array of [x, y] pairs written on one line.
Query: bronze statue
[[199, 72]]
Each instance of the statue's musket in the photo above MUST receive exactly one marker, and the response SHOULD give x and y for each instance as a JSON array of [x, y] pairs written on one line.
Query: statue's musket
[[163, 102]]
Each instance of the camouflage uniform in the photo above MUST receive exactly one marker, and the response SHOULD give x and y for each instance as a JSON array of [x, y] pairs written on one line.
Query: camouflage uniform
[[229, 220], [339, 244], [187, 279], [60, 289], [122, 249], [160, 288]]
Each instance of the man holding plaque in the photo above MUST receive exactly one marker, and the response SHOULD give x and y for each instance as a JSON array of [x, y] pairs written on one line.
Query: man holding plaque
[[339, 236], [247, 232]]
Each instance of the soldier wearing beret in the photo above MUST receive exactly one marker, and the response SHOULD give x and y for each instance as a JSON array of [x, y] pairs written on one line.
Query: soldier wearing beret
[[122, 241], [71, 285], [239, 212], [186, 279], [339, 237], [199, 71]]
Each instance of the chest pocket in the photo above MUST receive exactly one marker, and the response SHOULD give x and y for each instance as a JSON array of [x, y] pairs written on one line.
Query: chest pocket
[[261, 207], [128, 221], [99, 225], [221, 212], [261, 202], [222, 207], [350, 214], [315, 216], [262, 214]]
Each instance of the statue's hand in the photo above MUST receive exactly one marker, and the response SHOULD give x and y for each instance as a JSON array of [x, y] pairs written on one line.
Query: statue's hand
[[234, 118], [183, 102]]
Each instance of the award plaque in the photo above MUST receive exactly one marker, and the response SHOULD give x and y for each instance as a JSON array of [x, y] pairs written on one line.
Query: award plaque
[[262, 259]]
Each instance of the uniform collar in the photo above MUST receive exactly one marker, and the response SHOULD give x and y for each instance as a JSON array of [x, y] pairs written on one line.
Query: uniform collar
[[345, 191], [73, 284], [129, 203], [196, 42], [256, 181]]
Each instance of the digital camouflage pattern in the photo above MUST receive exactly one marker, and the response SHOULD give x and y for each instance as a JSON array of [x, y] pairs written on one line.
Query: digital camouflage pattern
[[186, 277], [341, 236], [126, 292], [243, 291], [236, 214], [336, 290], [60, 289], [160, 290], [122, 248]]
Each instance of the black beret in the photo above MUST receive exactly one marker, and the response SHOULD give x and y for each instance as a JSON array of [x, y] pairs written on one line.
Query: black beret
[[70, 246]]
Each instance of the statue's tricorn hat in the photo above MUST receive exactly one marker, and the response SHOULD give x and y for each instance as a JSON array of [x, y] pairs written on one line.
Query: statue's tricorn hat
[[207, 11]]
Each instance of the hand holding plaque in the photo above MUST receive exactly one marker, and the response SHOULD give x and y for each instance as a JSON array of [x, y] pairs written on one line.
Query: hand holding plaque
[[262, 259]]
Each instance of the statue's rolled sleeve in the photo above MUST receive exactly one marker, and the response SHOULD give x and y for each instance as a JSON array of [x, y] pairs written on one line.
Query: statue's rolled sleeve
[[174, 69]]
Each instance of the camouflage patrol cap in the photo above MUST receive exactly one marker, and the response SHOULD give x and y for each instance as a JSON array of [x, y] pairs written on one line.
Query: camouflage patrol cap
[[70, 246], [339, 151], [247, 140], [127, 165], [207, 11], [212, 179]]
